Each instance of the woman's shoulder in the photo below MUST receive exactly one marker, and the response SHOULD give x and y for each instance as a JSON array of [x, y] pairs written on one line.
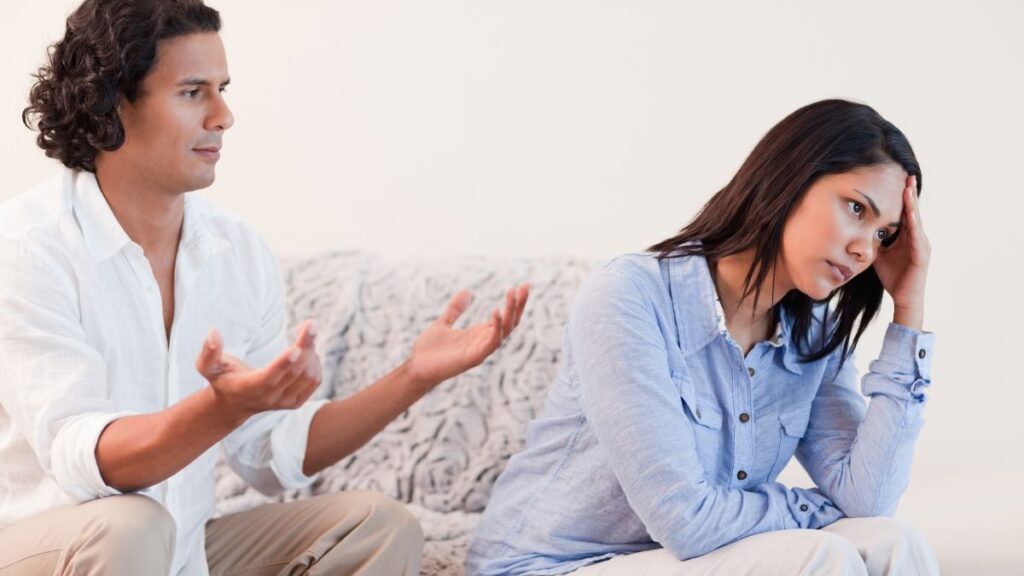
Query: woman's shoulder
[[634, 274]]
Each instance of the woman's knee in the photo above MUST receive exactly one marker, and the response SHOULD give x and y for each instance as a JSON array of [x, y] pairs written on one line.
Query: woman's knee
[[889, 545], [831, 554]]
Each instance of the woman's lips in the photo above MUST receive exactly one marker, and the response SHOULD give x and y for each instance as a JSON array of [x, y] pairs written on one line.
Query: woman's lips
[[839, 272]]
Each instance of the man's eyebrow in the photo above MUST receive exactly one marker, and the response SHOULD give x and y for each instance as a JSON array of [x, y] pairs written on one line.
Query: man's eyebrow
[[196, 81], [874, 207]]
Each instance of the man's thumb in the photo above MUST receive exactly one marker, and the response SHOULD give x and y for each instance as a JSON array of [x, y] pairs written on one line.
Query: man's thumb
[[208, 362]]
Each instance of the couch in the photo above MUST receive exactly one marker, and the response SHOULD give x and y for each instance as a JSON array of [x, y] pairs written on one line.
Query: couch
[[443, 455]]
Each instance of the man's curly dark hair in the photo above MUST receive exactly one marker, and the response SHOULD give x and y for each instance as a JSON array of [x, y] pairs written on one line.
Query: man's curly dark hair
[[107, 50]]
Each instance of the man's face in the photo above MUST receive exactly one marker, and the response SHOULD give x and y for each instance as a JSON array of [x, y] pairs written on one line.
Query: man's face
[[174, 130]]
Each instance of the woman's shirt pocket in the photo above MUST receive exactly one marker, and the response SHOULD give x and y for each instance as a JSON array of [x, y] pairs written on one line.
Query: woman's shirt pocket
[[792, 427], [702, 410]]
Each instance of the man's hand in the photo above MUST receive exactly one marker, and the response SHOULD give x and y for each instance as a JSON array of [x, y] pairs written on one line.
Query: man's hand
[[443, 351], [285, 383]]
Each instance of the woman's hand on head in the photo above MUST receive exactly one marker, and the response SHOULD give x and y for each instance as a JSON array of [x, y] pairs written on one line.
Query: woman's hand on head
[[903, 266]]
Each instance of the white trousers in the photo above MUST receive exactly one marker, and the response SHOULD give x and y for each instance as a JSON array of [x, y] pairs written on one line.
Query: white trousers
[[849, 547]]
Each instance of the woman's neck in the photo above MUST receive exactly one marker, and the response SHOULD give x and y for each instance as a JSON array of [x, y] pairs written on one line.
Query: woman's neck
[[740, 311]]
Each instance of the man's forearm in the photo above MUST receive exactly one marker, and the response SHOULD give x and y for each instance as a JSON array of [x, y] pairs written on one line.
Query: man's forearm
[[136, 452], [343, 426]]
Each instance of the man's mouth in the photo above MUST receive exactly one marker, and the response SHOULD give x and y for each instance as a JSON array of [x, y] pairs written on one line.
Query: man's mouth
[[208, 153]]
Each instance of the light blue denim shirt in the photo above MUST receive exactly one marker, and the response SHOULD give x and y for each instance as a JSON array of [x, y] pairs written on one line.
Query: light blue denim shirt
[[659, 432]]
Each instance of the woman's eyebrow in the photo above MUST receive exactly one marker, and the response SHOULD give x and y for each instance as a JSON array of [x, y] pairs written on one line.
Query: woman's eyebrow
[[874, 207]]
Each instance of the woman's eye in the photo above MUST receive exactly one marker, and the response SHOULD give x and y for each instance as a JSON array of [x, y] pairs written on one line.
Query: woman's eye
[[857, 207], [882, 235]]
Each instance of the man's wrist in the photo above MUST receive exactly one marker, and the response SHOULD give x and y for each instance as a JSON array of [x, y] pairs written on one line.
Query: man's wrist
[[219, 411], [421, 384]]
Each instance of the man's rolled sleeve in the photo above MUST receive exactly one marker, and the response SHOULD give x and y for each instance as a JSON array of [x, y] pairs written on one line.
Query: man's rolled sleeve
[[288, 446], [73, 456]]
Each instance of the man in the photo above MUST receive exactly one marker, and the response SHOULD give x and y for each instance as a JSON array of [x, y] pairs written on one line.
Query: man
[[113, 388]]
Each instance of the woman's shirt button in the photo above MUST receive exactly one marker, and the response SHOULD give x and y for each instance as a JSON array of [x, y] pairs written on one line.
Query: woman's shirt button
[[742, 475], [744, 417], [750, 369], [803, 507]]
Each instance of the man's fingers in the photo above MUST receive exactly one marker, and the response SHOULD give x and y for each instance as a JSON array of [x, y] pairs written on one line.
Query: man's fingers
[[208, 362], [510, 313], [300, 386], [456, 306], [522, 294], [307, 335], [278, 370], [496, 334]]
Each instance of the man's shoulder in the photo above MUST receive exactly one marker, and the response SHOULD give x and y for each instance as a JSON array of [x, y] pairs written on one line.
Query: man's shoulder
[[221, 222], [38, 209], [245, 241]]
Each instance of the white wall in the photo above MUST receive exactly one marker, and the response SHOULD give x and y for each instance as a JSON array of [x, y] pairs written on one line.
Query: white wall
[[592, 127]]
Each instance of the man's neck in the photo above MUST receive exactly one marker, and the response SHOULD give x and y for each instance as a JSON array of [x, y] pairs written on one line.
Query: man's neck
[[151, 216], [730, 273]]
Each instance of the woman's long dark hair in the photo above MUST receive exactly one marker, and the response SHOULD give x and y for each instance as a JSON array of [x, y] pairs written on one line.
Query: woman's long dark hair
[[826, 137]]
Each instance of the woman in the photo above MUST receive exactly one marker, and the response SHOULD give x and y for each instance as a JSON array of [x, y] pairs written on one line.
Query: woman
[[693, 372]]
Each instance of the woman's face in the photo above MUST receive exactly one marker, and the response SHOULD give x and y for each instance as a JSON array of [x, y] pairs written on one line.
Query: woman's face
[[839, 226]]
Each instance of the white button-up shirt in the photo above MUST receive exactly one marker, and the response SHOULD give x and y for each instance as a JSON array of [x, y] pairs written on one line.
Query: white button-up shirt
[[82, 343]]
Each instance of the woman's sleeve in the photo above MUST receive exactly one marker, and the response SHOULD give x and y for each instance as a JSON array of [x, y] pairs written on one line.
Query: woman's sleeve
[[860, 457], [635, 410]]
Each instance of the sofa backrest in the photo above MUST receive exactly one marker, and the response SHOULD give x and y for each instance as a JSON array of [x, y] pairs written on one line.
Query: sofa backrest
[[447, 450]]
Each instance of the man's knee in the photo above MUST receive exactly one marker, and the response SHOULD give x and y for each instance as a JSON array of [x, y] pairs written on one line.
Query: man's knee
[[130, 530], [385, 514]]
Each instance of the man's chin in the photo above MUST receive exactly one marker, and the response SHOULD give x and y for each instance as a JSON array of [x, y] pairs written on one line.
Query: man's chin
[[201, 181]]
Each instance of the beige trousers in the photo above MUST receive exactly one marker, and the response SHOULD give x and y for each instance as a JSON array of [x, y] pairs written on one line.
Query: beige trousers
[[362, 533], [849, 547]]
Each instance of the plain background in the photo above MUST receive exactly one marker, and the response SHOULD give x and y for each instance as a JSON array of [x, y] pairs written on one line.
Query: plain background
[[591, 128]]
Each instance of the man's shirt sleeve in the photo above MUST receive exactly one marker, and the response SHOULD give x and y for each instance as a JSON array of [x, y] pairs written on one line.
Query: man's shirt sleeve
[[269, 450], [53, 384]]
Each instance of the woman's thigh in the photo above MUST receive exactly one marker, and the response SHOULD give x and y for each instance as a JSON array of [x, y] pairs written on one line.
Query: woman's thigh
[[782, 553], [861, 546], [888, 545]]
